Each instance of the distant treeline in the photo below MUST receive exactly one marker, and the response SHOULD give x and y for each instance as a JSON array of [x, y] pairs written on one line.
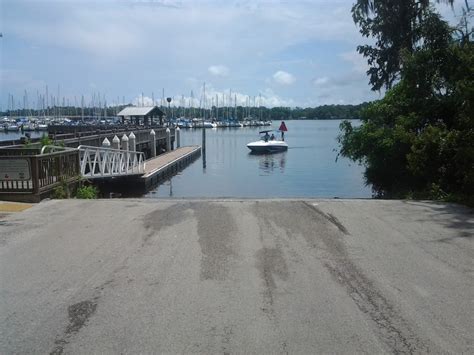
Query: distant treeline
[[325, 112]]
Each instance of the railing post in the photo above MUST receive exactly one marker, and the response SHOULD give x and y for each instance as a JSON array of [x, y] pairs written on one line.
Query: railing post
[[106, 143], [34, 174], [153, 143]]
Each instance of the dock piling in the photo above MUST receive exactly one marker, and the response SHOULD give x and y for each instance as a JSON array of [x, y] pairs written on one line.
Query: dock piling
[[132, 142], [116, 142], [153, 143], [204, 140], [106, 143], [168, 140], [125, 142], [178, 137]]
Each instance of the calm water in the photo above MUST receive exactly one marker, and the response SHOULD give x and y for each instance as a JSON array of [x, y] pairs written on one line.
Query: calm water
[[6, 136], [307, 169]]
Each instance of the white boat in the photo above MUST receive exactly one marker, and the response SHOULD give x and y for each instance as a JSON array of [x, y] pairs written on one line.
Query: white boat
[[207, 124], [12, 128], [267, 145]]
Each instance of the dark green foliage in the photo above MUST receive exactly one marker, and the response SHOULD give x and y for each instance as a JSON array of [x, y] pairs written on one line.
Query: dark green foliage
[[87, 192], [418, 141], [45, 140], [61, 191], [397, 26]]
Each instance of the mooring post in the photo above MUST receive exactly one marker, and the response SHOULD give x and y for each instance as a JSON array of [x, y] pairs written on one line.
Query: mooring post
[[116, 142], [106, 143], [153, 143], [178, 137], [132, 142], [203, 141], [124, 142], [168, 140], [125, 148]]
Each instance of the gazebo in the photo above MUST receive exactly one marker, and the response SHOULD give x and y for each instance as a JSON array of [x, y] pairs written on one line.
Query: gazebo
[[141, 114]]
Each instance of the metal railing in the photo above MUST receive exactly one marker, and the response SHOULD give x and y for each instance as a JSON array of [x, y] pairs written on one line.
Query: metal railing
[[100, 162]]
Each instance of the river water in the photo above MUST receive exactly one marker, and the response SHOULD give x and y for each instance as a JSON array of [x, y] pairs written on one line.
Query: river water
[[308, 169], [7, 136]]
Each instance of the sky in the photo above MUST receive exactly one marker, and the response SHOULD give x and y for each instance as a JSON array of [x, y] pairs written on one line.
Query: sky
[[277, 53]]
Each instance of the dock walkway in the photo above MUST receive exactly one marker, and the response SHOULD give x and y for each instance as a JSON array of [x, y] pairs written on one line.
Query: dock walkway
[[168, 163]]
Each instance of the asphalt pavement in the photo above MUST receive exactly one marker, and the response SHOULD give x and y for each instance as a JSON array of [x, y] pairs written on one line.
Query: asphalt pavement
[[237, 276]]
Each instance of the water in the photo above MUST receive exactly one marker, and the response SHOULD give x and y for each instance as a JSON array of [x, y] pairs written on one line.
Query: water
[[307, 169], [6, 136]]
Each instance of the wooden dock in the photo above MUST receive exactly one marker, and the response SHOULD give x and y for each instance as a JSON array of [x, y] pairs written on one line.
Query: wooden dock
[[164, 165]]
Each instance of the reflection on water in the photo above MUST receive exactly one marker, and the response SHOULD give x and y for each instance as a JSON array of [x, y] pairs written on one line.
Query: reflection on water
[[270, 163]]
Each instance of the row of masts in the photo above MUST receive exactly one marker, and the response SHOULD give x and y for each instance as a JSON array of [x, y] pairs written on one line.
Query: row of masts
[[219, 106]]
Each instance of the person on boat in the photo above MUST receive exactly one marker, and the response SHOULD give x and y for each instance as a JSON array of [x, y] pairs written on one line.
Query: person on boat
[[272, 137], [266, 136]]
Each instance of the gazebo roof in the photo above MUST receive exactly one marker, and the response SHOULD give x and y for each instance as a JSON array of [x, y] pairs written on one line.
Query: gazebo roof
[[139, 111]]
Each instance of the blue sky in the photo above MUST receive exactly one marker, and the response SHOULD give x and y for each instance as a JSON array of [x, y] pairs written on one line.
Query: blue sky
[[287, 53]]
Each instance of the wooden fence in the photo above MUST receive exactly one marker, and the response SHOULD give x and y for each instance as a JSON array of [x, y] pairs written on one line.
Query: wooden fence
[[26, 175]]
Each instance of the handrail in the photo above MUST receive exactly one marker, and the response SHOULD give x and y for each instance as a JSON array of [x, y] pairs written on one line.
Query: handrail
[[55, 148], [101, 162]]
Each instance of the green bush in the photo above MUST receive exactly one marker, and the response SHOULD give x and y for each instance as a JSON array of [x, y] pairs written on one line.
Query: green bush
[[87, 192], [45, 140], [61, 191]]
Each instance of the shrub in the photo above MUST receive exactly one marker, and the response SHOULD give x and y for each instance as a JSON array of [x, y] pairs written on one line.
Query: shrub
[[61, 191], [87, 192]]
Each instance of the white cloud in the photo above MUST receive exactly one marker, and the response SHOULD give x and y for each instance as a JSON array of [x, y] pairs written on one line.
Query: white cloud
[[320, 81], [129, 46], [213, 97], [144, 101], [218, 70], [283, 78]]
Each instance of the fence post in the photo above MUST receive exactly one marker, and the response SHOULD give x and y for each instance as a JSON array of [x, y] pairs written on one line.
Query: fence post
[[106, 143], [34, 174]]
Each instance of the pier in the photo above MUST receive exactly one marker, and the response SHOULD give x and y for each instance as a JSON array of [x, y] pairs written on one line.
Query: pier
[[32, 174], [167, 164]]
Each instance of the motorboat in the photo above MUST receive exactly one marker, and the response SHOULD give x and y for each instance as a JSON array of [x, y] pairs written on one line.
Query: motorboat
[[267, 144]]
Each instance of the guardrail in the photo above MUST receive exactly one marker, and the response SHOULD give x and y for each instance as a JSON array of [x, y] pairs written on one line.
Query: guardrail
[[99, 162], [29, 171]]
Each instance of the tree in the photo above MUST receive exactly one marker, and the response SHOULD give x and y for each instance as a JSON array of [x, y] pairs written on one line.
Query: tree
[[396, 25], [418, 140]]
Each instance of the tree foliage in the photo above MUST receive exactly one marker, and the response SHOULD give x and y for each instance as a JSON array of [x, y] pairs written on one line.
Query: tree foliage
[[397, 26], [418, 141]]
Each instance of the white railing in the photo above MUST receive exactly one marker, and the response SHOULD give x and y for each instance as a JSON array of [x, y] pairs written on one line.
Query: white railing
[[100, 162]]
